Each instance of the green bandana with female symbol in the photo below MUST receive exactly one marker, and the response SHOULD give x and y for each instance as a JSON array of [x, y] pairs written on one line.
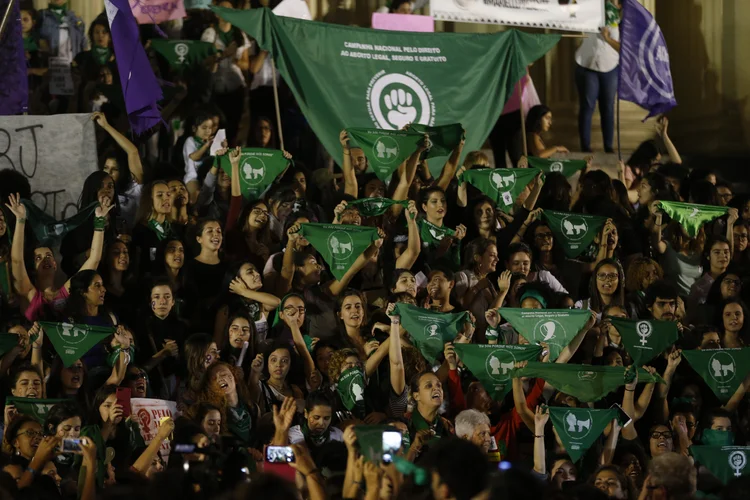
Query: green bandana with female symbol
[[430, 330], [724, 462], [556, 327], [501, 185], [71, 341], [579, 428], [566, 167], [183, 54], [573, 232], [351, 389], [48, 230], [722, 369], [493, 365], [33, 407], [374, 207], [692, 216], [340, 245], [258, 167], [385, 149], [645, 339]]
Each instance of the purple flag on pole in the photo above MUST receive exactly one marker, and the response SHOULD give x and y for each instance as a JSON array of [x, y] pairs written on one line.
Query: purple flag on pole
[[14, 84], [645, 78], [139, 85]]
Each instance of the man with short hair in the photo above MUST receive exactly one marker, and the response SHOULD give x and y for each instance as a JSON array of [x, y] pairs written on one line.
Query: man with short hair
[[474, 426], [671, 476]]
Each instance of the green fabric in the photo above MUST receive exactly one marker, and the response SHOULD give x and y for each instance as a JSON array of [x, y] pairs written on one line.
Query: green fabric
[[339, 244], [161, 229], [579, 428], [385, 149], [444, 140], [29, 44], [198, 141], [611, 14], [5, 276], [556, 327], [240, 422], [258, 169], [373, 207], [226, 37], [712, 437], [315, 439], [48, 230], [351, 389], [101, 54], [59, 11], [430, 330], [7, 342], [343, 76], [724, 462], [587, 383], [492, 365], [37, 408], [645, 339], [722, 369], [370, 440], [432, 237], [692, 216], [502, 185], [418, 423], [183, 54], [94, 432], [566, 167], [115, 354], [71, 341], [573, 232]]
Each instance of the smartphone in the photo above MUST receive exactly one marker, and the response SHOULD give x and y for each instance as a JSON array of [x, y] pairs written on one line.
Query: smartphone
[[71, 445], [183, 448], [123, 399], [279, 454], [624, 417], [391, 445]]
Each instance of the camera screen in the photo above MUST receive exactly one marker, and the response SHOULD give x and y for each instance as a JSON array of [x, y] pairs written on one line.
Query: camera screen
[[279, 454]]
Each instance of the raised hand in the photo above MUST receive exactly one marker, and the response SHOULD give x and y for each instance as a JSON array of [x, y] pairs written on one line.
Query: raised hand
[[503, 281], [411, 209], [282, 417], [492, 317], [450, 356], [238, 286], [99, 118], [257, 365], [344, 139], [541, 416], [15, 206], [105, 205], [460, 232], [234, 156]]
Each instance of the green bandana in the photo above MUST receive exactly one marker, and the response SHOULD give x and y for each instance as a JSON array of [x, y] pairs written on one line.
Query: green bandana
[[692, 216], [373, 207], [5, 275], [409, 469], [37, 408], [611, 14], [71, 341], [502, 185], [587, 383], [226, 37], [556, 327], [29, 44], [431, 234], [115, 354], [578, 428], [351, 389], [339, 244], [492, 365], [198, 141], [240, 422], [430, 330], [160, 229], [418, 423], [258, 169], [59, 11], [712, 437], [7, 342], [101, 55], [566, 167], [47, 229], [722, 369], [444, 138], [724, 462], [370, 441], [574, 232], [645, 339], [385, 149], [315, 439], [183, 54]]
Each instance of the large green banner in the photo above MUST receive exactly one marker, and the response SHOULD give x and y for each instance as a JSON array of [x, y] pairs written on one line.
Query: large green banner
[[345, 76]]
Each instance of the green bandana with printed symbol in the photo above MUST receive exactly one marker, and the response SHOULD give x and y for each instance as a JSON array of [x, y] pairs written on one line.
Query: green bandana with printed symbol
[[692, 216], [722, 369], [7, 342], [501, 185], [374, 207], [724, 462], [48, 230], [430, 330], [444, 138], [579, 428], [493, 365], [587, 383], [183, 54], [258, 169], [351, 389], [36, 408], [645, 339], [574, 232], [72, 341], [385, 149], [566, 167], [556, 327], [370, 441], [339, 244], [433, 235]]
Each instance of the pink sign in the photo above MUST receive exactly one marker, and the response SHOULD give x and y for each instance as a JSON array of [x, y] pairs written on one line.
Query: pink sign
[[403, 22], [157, 11]]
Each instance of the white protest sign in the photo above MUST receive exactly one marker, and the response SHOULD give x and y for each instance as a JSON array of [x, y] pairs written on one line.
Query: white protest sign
[[220, 137], [148, 412], [55, 153], [61, 78]]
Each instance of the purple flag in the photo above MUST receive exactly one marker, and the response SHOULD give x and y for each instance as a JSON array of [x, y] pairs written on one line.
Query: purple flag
[[645, 78], [139, 85], [14, 84]]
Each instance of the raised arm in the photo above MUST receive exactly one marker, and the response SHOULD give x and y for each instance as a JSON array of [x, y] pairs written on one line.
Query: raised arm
[[234, 159], [144, 461], [239, 287], [350, 176], [335, 287], [134, 158], [673, 361], [462, 193], [656, 238], [540, 421], [645, 398], [530, 202], [608, 451], [407, 171], [414, 243], [519, 399], [21, 280], [299, 342], [449, 169], [97, 241], [733, 216], [395, 358], [574, 344], [661, 128]]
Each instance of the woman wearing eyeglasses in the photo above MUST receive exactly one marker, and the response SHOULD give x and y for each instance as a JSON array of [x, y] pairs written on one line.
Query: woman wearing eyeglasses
[[22, 438], [136, 379], [606, 287], [661, 440], [249, 235]]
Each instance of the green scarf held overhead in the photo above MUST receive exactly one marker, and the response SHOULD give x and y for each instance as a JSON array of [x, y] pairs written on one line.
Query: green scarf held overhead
[[340, 245], [5, 275], [29, 44], [692, 216], [493, 365], [724, 462], [72, 341], [385, 149], [645, 339], [566, 167], [502, 185], [433, 235], [48, 230], [556, 327], [101, 55], [430, 330], [722, 369], [374, 207], [574, 232], [183, 54], [713, 437], [59, 11], [370, 441], [351, 389], [579, 428], [315, 439], [587, 383], [160, 229], [444, 138], [7, 342], [37, 408], [258, 169]]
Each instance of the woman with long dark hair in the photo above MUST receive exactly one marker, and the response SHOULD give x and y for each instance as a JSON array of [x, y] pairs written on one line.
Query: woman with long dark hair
[[733, 320], [606, 287], [152, 226], [538, 122]]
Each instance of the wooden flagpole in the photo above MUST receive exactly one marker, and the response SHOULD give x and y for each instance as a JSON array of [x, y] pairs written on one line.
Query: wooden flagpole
[[276, 103], [523, 116]]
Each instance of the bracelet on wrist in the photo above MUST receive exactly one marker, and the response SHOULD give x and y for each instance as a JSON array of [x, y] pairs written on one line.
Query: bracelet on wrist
[[539, 435], [22, 220], [99, 223], [34, 472], [630, 390]]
